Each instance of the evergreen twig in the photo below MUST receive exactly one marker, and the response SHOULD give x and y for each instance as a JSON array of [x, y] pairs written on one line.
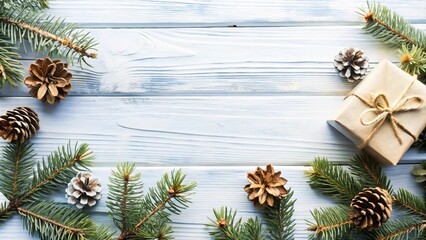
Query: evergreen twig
[[332, 180], [410, 202], [10, 66], [330, 223], [391, 28], [145, 216], [401, 229], [369, 172], [279, 221]]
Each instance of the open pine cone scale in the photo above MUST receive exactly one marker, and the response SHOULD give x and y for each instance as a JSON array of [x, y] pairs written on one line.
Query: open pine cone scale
[[49, 80]]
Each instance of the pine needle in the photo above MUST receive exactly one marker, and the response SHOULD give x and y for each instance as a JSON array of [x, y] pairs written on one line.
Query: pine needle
[[332, 180], [388, 26], [369, 172], [330, 223], [279, 219], [410, 202], [402, 229]]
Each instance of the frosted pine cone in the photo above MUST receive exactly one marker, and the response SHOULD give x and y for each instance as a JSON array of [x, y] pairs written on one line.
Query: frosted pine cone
[[352, 64], [84, 189]]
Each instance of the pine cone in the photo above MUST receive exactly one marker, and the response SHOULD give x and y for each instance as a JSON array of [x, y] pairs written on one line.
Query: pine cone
[[19, 124], [352, 64], [265, 186], [49, 80], [84, 189], [371, 208]]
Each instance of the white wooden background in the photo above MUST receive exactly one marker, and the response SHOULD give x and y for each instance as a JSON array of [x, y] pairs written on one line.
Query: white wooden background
[[175, 87]]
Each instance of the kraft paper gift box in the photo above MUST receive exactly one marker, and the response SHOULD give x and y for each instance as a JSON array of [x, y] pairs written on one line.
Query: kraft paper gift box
[[384, 113]]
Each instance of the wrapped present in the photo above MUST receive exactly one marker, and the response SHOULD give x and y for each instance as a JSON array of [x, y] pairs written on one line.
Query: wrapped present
[[384, 114]]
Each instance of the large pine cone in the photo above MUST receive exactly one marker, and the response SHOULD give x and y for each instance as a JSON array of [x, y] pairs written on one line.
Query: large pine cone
[[19, 124], [371, 208], [84, 189], [49, 80], [352, 64], [265, 186]]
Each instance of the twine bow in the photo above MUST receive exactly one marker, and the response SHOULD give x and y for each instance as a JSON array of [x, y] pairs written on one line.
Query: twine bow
[[379, 105]]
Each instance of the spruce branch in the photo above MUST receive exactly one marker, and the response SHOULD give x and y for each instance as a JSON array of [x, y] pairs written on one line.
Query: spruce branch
[[412, 60], [279, 218], [401, 229], [33, 4], [253, 230], [332, 180], [391, 28], [51, 221], [225, 225], [46, 33], [170, 195], [369, 172], [410, 202], [16, 168], [10, 66], [124, 197], [57, 169], [330, 223], [5, 211]]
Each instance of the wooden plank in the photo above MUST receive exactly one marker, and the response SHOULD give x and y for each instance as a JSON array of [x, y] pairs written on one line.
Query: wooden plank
[[165, 13], [195, 131], [219, 186], [215, 61]]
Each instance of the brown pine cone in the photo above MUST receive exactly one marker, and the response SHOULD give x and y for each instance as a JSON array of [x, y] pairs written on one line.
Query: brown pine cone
[[352, 64], [371, 208], [84, 189], [19, 124], [265, 186], [49, 80]]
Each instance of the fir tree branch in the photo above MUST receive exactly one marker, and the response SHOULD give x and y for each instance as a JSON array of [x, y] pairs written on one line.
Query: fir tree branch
[[16, 167], [52, 221], [10, 66], [5, 211], [124, 197], [332, 180], [59, 167], [410, 202], [225, 225], [47, 33], [369, 173], [252, 230], [330, 223], [155, 210], [409, 228], [391, 28], [279, 218]]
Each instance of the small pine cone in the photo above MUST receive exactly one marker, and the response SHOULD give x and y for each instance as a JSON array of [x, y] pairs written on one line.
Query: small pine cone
[[370, 208], [265, 186], [49, 80], [84, 189], [352, 64], [19, 125]]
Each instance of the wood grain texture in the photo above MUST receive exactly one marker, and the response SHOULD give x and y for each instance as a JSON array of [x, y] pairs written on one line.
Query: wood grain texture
[[220, 186], [218, 61], [177, 13], [195, 131]]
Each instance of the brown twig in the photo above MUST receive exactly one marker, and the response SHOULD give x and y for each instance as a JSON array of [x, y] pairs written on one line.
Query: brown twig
[[69, 229], [370, 17], [405, 230], [124, 231], [395, 200], [321, 229], [49, 178], [16, 172], [63, 41], [156, 209]]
